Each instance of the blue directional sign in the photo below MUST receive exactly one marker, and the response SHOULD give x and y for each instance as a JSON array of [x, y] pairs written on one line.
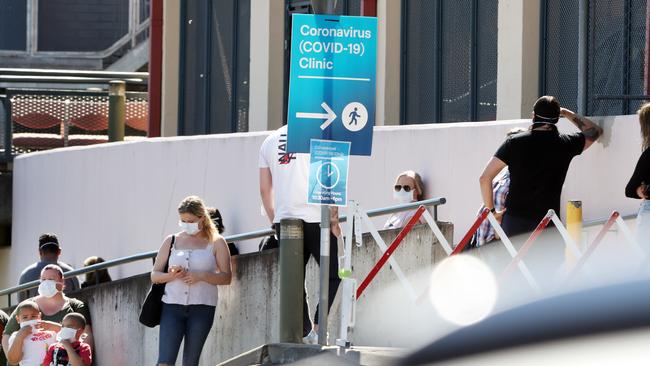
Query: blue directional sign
[[332, 82], [328, 172]]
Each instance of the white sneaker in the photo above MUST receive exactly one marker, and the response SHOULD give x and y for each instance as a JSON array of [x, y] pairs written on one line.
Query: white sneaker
[[311, 338]]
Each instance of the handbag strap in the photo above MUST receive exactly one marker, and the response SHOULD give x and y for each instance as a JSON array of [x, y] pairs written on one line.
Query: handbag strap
[[170, 253]]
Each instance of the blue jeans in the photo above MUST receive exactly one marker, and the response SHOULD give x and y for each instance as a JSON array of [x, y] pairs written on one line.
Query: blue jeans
[[192, 322], [643, 226]]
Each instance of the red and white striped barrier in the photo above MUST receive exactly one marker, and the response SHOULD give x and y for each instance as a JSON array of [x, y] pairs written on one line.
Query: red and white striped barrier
[[550, 216], [358, 219], [614, 218]]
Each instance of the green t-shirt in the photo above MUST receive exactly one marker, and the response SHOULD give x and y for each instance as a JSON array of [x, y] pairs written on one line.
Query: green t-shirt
[[71, 306], [3, 321]]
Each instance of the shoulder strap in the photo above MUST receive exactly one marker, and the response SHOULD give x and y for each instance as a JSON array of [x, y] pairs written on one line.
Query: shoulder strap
[[171, 245]]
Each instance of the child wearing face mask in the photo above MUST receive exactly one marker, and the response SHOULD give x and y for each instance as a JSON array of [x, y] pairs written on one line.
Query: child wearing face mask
[[70, 350], [28, 345], [408, 188], [53, 304]]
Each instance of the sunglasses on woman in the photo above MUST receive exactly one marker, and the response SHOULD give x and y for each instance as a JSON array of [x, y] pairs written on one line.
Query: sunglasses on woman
[[399, 187]]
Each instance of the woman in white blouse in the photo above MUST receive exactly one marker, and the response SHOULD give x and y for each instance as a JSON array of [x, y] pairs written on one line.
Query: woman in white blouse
[[199, 260]]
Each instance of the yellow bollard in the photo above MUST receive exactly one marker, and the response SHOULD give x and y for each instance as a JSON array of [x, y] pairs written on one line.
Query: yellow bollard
[[574, 227]]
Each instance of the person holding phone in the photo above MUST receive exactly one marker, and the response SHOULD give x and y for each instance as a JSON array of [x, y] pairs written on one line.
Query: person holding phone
[[638, 186], [199, 261]]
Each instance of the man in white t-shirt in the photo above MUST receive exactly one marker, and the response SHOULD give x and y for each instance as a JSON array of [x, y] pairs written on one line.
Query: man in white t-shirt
[[284, 180]]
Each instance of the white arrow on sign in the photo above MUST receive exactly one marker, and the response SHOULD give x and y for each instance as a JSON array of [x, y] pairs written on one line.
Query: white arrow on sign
[[329, 117]]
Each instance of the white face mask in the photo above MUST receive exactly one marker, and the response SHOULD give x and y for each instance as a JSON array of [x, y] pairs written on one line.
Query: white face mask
[[29, 323], [402, 196], [189, 227], [47, 288], [66, 333]]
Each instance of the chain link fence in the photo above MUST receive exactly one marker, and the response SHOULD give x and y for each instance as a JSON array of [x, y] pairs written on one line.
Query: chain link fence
[[456, 62], [487, 36], [560, 51], [615, 54], [41, 120], [449, 65]]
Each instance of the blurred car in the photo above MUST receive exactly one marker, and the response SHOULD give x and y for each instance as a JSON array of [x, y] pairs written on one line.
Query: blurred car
[[608, 325]]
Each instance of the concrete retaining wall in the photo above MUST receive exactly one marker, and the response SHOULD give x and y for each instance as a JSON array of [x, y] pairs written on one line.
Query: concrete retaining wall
[[120, 199], [248, 310]]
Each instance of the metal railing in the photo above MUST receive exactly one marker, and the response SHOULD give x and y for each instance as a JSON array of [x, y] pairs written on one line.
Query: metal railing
[[603, 220], [13, 77], [432, 202], [138, 25], [26, 119]]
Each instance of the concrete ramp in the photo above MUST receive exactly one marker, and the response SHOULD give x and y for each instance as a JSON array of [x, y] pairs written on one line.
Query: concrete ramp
[[306, 354]]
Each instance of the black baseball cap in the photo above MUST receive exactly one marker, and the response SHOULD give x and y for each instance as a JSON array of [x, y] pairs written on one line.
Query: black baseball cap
[[48, 241], [546, 110]]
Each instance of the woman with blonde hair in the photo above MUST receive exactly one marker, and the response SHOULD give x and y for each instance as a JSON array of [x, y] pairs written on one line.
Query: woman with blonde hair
[[408, 188], [198, 261], [639, 185]]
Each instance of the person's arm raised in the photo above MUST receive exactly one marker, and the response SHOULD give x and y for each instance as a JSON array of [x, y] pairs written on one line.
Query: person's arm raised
[[588, 128], [73, 358], [15, 351]]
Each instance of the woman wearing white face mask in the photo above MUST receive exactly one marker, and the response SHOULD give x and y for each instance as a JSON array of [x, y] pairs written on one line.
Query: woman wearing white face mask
[[408, 188], [54, 305], [198, 260]]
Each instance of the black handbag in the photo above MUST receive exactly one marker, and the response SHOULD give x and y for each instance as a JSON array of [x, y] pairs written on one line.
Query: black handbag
[[152, 305]]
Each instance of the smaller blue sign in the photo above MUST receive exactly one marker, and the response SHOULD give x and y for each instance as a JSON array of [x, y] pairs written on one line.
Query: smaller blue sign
[[328, 172]]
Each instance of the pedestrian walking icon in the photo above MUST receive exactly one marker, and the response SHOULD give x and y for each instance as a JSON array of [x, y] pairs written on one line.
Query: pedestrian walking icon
[[354, 116]]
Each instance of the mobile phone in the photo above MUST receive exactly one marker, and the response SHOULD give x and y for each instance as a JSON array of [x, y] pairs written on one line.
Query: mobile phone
[[174, 269]]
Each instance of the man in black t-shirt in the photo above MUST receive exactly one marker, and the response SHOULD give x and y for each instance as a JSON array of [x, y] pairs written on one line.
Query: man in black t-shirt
[[538, 160]]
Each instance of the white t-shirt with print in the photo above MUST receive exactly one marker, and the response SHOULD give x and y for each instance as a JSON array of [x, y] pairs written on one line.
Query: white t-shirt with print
[[34, 346], [290, 176]]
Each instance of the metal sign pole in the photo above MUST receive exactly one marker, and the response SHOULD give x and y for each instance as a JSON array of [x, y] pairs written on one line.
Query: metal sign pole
[[323, 308], [321, 7]]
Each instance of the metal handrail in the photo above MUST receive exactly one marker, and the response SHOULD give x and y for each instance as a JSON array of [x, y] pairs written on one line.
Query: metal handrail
[[65, 79], [135, 28], [230, 238], [601, 221], [622, 97], [80, 73]]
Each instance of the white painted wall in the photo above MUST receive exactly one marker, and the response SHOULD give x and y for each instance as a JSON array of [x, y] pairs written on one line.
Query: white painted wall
[[120, 199]]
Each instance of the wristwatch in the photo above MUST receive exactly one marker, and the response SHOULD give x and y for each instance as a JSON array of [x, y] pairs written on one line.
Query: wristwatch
[[493, 210]]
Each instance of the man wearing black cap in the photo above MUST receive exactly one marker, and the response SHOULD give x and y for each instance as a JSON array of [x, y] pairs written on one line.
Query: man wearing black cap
[[538, 160], [49, 251]]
